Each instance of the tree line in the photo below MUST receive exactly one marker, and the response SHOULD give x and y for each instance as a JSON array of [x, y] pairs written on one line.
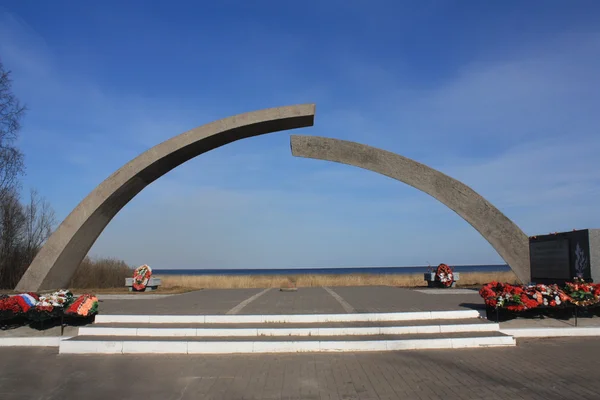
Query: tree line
[[26, 222]]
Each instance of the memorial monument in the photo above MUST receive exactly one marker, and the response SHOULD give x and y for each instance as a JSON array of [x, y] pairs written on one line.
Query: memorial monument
[[559, 257], [56, 262]]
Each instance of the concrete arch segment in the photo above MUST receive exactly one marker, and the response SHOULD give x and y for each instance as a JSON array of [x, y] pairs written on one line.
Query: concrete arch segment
[[503, 234], [60, 256]]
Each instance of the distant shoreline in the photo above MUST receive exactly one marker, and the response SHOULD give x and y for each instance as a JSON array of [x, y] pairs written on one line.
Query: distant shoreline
[[327, 271]]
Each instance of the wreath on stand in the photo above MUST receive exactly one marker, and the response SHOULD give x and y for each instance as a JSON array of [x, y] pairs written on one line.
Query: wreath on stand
[[444, 275], [141, 276]]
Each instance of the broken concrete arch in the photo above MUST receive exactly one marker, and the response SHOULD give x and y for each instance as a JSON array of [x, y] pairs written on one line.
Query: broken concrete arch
[[60, 256], [504, 235]]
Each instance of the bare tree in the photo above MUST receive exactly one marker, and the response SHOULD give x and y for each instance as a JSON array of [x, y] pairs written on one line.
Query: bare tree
[[12, 220], [39, 222], [11, 113], [23, 231]]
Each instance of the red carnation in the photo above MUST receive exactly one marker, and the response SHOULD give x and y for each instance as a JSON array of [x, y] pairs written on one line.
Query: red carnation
[[486, 292], [528, 302], [516, 290]]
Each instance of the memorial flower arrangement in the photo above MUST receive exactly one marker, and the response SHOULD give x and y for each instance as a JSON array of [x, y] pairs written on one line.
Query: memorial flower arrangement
[[50, 305], [444, 275], [17, 305], [501, 295], [84, 306], [35, 308], [547, 295], [60, 298], [141, 276], [582, 293], [526, 297]]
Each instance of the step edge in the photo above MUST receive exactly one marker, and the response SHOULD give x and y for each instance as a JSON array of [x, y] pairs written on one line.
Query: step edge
[[182, 347], [328, 331], [298, 318]]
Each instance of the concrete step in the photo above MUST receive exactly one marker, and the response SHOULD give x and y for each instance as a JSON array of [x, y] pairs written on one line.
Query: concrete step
[[291, 329], [278, 344], [288, 318], [481, 321]]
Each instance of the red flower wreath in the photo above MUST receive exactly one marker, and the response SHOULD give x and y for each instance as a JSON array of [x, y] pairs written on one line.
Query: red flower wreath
[[444, 275], [141, 276]]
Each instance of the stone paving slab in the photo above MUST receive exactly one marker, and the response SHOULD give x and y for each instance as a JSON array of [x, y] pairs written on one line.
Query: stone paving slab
[[549, 369]]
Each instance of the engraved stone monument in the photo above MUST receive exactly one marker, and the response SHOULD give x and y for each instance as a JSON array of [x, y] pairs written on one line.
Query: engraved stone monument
[[562, 256]]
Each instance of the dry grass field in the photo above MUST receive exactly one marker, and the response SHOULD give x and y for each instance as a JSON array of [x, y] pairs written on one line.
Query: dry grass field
[[171, 282]]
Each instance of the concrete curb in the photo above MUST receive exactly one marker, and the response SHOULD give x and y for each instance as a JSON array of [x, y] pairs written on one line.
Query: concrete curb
[[551, 332], [32, 341]]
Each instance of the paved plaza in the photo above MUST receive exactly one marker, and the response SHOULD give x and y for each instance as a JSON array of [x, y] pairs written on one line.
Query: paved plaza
[[311, 300], [536, 369], [545, 369]]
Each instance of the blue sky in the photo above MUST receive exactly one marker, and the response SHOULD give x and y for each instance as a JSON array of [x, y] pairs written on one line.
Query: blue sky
[[503, 96]]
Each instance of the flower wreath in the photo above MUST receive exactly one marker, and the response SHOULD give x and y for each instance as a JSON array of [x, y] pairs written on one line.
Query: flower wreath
[[141, 276], [13, 306], [59, 299], [581, 293], [85, 306], [444, 275]]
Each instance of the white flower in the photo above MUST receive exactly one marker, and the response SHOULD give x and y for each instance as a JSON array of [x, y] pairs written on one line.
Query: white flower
[[545, 302]]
